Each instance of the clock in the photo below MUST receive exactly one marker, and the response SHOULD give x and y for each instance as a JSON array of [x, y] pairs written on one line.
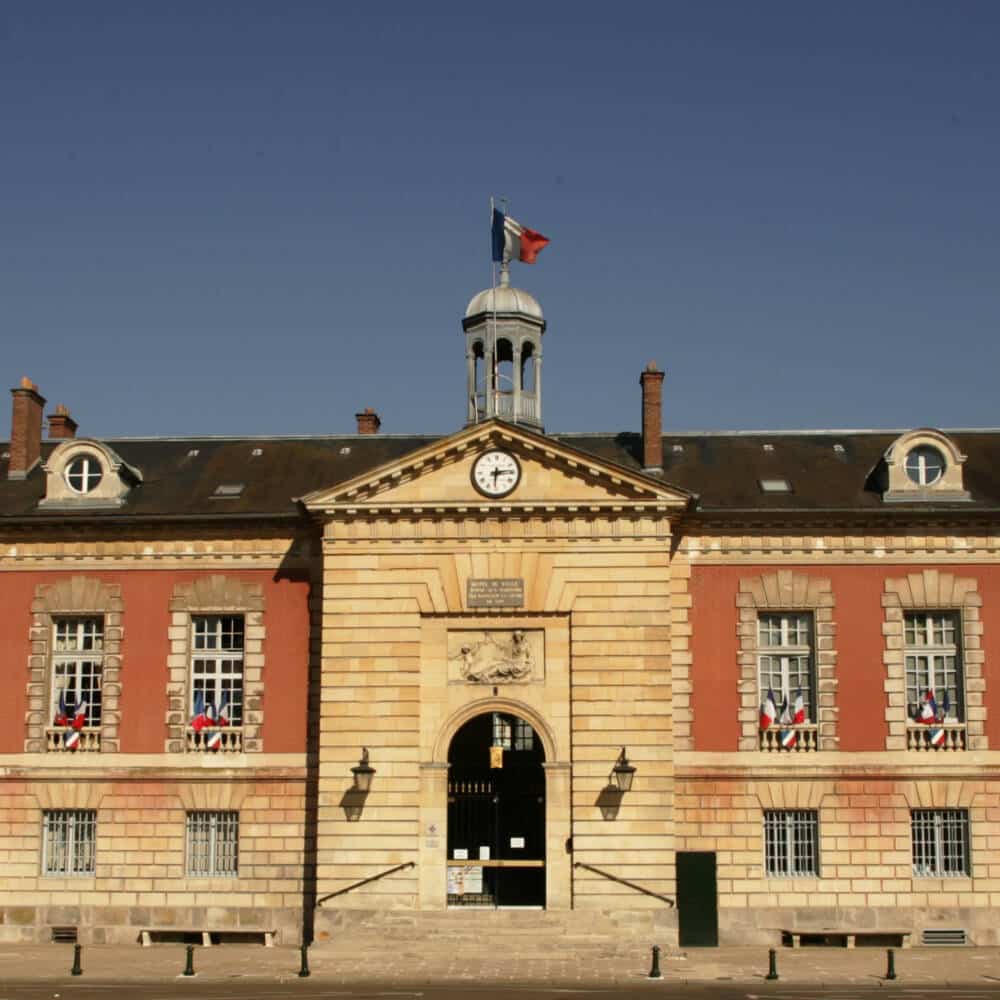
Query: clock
[[496, 473]]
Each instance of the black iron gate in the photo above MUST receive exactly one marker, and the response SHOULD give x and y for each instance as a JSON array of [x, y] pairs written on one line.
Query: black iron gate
[[496, 814]]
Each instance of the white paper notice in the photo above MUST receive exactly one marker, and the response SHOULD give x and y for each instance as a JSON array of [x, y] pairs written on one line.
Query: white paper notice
[[484, 854], [461, 854], [517, 842]]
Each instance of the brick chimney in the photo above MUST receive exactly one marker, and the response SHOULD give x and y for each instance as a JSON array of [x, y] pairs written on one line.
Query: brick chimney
[[651, 381], [25, 429], [368, 422], [61, 424]]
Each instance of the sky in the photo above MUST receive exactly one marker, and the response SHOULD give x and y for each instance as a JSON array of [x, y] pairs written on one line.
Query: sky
[[243, 218]]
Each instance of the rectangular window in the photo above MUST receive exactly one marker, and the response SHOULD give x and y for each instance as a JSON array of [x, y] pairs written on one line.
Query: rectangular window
[[77, 664], [217, 667], [934, 662], [69, 842], [791, 843], [213, 844], [940, 843], [785, 658], [501, 731]]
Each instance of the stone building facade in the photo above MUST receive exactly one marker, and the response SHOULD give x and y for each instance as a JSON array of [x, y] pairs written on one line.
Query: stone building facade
[[552, 655]]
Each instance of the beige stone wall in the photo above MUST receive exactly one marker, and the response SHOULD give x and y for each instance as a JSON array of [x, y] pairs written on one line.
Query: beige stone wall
[[599, 589], [140, 876]]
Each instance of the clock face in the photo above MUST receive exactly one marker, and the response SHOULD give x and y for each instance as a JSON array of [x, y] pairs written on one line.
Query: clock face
[[496, 473]]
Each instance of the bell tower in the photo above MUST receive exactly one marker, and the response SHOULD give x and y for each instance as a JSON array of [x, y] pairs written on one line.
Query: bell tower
[[503, 353]]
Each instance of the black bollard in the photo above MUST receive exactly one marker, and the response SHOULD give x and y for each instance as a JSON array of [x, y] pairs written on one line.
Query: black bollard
[[890, 972], [189, 968], [304, 970], [77, 970], [654, 972], [772, 965]]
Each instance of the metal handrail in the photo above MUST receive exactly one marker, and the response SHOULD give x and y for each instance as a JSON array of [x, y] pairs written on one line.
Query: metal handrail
[[624, 881], [364, 881]]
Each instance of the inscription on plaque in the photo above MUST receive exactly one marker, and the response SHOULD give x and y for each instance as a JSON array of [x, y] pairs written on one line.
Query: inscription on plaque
[[495, 592]]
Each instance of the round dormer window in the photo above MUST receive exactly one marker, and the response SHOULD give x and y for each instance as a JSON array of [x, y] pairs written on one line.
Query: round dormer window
[[924, 465], [84, 474]]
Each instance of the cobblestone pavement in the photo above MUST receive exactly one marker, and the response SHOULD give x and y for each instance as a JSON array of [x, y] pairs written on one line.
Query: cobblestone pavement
[[435, 961]]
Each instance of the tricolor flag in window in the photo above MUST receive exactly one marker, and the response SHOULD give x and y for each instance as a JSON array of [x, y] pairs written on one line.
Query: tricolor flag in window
[[799, 709], [768, 711], [787, 737], [928, 712], [512, 241], [199, 720]]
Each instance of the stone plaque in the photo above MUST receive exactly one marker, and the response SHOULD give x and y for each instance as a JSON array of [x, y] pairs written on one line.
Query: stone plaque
[[495, 592], [497, 656]]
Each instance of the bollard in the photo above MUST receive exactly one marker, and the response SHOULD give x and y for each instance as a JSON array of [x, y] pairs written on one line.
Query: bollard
[[189, 968], [304, 970], [772, 965], [890, 972], [76, 970], [654, 972]]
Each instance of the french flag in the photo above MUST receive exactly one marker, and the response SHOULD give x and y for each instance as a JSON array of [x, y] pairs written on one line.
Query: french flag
[[199, 720], [799, 709], [512, 241], [221, 719], [928, 712], [62, 714], [788, 738], [768, 711], [79, 716]]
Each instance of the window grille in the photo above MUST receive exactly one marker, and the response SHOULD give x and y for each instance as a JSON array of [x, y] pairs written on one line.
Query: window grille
[[69, 842], [217, 643], [933, 661], [791, 843], [785, 658], [940, 843], [213, 843], [77, 665]]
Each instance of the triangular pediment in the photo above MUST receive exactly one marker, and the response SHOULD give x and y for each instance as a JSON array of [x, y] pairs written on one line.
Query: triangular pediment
[[553, 475]]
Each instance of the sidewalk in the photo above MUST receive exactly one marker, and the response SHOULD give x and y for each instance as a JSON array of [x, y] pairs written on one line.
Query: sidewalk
[[436, 962]]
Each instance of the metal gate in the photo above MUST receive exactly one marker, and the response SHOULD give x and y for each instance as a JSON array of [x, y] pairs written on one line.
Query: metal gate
[[496, 815]]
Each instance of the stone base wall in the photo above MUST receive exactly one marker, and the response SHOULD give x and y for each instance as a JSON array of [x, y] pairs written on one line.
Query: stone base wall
[[140, 878]]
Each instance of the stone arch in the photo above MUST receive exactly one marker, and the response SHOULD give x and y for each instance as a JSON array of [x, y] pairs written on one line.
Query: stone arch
[[75, 595], [482, 707]]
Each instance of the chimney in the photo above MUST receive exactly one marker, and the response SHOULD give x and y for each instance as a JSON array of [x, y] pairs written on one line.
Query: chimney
[[25, 429], [651, 381], [368, 422], [61, 424]]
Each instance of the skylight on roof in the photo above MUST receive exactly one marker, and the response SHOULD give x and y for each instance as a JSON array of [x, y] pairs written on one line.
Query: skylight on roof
[[768, 447], [775, 486], [228, 491], [257, 452]]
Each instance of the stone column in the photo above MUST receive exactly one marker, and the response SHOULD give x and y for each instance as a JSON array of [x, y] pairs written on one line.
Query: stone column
[[432, 850], [558, 861]]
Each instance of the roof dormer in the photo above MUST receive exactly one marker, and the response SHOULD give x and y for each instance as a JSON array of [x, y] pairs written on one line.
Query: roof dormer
[[83, 473], [924, 464]]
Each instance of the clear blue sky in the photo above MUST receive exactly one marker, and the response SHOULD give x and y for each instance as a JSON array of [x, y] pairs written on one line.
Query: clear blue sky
[[250, 217]]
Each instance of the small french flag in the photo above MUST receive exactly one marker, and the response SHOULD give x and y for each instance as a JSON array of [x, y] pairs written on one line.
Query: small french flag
[[768, 711], [789, 738]]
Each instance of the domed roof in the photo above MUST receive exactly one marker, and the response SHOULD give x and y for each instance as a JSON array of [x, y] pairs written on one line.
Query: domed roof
[[508, 300]]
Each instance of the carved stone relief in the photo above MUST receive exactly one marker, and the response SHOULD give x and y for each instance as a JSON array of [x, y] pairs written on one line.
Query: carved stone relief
[[498, 656]]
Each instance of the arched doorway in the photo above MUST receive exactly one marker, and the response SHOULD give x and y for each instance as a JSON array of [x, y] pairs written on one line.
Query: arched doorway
[[496, 813]]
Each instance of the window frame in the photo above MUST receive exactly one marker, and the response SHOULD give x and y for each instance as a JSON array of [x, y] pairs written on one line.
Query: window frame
[[77, 657], [219, 656], [78, 827], [933, 618], [213, 826], [781, 837], [933, 826], [788, 651]]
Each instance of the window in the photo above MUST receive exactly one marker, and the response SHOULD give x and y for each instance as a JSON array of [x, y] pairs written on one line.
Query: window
[[77, 665], [217, 646], [69, 840], [940, 843], [785, 660], [933, 662], [524, 735], [213, 843], [791, 843], [84, 474], [924, 465]]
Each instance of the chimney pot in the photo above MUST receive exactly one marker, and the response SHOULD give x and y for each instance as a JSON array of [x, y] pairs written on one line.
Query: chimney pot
[[61, 424], [651, 381], [368, 421], [25, 429]]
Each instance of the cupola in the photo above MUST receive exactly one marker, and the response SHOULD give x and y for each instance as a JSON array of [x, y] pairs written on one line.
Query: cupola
[[503, 351]]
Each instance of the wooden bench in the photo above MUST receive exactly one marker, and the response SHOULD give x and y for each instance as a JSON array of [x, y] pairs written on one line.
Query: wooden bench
[[844, 937], [206, 934]]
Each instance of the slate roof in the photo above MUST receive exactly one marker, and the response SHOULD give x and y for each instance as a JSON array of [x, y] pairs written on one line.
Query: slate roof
[[723, 470]]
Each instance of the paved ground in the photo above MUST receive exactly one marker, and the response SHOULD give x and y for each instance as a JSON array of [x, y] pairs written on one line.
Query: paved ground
[[436, 963]]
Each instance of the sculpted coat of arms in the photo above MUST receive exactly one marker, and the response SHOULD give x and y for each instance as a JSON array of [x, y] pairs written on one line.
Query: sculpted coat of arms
[[496, 657]]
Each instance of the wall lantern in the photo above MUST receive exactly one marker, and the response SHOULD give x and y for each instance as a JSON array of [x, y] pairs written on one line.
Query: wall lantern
[[363, 773], [623, 772]]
